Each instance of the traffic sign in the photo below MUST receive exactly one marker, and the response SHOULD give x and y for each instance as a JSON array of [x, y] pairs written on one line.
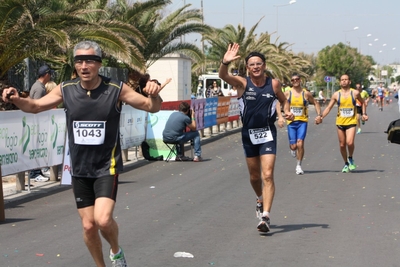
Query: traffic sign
[[327, 79]]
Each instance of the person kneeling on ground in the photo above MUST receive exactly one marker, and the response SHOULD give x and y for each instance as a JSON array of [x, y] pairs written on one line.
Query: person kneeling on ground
[[174, 130]]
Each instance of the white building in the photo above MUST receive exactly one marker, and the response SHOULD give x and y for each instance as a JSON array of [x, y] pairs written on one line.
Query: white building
[[384, 78], [175, 66]]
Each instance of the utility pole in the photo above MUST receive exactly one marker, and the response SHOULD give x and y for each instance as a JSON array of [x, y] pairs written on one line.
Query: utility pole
[[202, 40]]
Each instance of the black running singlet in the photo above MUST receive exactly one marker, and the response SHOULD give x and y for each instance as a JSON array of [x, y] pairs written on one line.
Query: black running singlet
[[93, 128]]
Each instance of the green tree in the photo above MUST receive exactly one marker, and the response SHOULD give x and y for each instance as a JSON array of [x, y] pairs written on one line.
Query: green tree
[[342, 59], [311, 68], [28, 28], [47, 30]]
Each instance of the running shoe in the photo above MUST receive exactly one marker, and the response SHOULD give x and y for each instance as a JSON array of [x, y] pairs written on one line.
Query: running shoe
[[359, 131], [46, 172], [293, 153], [299, 170], [352, 165], [259, 209], [118, 260], [264, 225], [345, 168], [197, 159], [41, 178]]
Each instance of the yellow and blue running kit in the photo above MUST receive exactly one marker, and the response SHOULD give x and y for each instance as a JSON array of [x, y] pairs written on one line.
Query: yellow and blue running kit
[[297, 129], [346, 115]]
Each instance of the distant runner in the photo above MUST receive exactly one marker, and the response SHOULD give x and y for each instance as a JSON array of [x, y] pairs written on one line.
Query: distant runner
[[346, 119]]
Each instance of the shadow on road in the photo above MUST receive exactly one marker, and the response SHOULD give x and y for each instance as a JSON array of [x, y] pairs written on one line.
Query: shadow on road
[[11, 221], [294, 227], [336, 171]]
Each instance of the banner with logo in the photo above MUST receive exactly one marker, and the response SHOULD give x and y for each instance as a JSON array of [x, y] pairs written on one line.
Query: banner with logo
[[155, 127], [234, 111], [223, 109], [132, 127], [66, 167], [210, 112], [198, 105], [31, 141]]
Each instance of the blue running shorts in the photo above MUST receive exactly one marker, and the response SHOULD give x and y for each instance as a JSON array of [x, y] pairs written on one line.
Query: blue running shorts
[[297, 130]]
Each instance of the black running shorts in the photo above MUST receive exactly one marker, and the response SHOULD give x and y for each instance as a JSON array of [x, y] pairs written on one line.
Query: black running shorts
[[87, 190], [345, 127]]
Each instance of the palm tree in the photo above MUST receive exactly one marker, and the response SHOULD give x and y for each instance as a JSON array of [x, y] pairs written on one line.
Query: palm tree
[[48, 29], [163, 34], [26, 25], [280, 62]]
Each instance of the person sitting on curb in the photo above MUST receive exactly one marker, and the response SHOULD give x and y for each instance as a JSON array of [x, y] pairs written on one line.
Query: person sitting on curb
[[174, 131]]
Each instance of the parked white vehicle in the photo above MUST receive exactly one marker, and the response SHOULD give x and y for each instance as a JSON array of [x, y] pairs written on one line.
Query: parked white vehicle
[[206, 82]]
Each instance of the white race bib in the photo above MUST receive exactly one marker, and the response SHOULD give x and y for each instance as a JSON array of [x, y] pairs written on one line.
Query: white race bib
[[89, 132], [346, 112], [260, 135], [297, 111]]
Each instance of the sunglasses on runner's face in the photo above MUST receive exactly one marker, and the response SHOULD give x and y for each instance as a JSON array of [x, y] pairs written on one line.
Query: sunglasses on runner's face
[[295, 79], [258, 64]]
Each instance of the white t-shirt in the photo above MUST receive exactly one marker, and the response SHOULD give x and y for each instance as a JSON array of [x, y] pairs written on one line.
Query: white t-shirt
[[232, 92], [321, 95]]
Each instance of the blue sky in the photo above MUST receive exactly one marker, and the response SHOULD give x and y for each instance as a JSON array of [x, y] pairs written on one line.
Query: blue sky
[[311, 25]]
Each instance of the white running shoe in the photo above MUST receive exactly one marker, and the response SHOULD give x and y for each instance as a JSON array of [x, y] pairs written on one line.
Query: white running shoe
[[293, 153], [41, 178], [299, 170], [264, 225], [46, 172], [259, 209], [118, 260]]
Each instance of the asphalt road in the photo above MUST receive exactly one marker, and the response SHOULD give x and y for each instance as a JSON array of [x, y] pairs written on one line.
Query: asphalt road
[[207, 209]]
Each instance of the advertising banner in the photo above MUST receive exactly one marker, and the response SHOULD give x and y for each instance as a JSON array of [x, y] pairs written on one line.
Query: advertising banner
[[31, 141], [234, 111], [132, 127], [155, 127], [223, 109], [210, 112], [198, 105], [66, 170]]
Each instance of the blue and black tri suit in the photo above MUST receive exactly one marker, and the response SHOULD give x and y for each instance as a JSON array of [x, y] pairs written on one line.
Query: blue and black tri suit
[[258, 113]]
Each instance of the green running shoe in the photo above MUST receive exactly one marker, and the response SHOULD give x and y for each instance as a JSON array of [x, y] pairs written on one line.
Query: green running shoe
[[352, 166], [345, 169]]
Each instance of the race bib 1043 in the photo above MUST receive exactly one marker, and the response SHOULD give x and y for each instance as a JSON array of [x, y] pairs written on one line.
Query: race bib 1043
[[89, 132]]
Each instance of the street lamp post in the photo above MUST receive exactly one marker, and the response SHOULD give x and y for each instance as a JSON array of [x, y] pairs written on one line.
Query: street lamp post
[[359, 41], [277, 12], [345, 33]]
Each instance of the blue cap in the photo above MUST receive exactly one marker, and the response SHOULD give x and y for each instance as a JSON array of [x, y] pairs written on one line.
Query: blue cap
[[43, 70]]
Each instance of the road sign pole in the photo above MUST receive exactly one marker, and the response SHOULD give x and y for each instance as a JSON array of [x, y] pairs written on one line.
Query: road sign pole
[[327, 88]]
